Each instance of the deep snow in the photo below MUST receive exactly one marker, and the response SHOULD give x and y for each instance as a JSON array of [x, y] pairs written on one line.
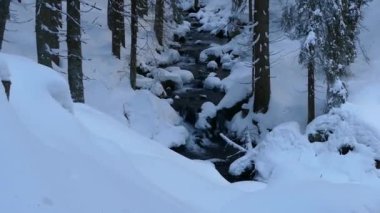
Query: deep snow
[[56, 156]]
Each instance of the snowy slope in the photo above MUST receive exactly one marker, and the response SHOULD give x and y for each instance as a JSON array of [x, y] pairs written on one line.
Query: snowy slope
[[60, 157], [56, 156]]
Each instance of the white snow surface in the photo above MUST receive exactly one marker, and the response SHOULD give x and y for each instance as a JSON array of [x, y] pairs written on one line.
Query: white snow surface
[[56, 156], [4, 71], [208, 111], [212, 82]]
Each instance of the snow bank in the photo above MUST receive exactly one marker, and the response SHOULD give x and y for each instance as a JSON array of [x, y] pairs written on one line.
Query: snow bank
[[185, 75], [155, 119], [215, 16]]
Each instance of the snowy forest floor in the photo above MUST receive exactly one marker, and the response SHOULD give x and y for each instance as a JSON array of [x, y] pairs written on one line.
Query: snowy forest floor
[[57, 156]]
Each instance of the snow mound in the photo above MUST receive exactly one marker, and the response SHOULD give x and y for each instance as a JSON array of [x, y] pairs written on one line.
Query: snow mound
[[164, 124], [208, 112], [163, 75], [185, 75], [212, 65], [212, 82]]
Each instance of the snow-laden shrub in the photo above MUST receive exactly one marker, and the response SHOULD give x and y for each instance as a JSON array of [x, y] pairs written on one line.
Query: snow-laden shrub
[[348, 153]]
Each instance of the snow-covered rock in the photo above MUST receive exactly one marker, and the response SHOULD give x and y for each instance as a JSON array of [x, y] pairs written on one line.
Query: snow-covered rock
[[212, 65], [208, 112]]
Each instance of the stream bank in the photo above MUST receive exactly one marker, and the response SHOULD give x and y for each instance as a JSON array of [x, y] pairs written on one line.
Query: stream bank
[[188, 101]]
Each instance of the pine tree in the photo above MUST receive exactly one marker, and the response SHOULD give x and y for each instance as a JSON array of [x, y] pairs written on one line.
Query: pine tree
[[260, 59], [334, 24], [74, 47], [310, 28], [4, 14]]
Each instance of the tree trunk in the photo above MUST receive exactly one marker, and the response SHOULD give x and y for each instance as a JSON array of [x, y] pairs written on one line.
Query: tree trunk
[[43, 36], [159, 21], [55, 27], [134, 31], [142, 8], [4, 13], [74, 47], [176, 13], [250, 11], [116, 24], [196, 5], [311, 90], [261, 64]]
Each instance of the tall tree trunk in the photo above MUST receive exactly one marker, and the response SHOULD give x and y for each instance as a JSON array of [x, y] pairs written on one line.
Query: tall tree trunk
[[142, 8], [250, 11], [43, 35], [311, 89], [261, 64], [56, 17], [196, 5], [134, 31], [176, 13], [159, 21], [74, 47], [4, 13], [116, 24]]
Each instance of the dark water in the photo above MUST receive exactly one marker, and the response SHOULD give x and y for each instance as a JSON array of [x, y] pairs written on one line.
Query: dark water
[[204, 144]]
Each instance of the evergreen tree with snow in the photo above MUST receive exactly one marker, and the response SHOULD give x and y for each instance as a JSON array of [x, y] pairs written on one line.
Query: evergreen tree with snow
[[328, 30]]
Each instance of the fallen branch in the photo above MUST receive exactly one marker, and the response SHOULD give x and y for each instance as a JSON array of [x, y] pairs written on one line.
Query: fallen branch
[[233, 144]]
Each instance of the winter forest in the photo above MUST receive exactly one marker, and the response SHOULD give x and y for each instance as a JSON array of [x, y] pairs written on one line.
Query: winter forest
[[198, 106]]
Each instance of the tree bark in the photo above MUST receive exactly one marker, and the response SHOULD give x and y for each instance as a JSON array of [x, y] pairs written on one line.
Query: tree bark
[[116, 24], [134, 31], [250, 11], [142, 8], [159, 21], [176, 13], [261, 64], [43, 36], [4, 14], [196, 5], [56, 17], [74, 47], [311, 90]]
